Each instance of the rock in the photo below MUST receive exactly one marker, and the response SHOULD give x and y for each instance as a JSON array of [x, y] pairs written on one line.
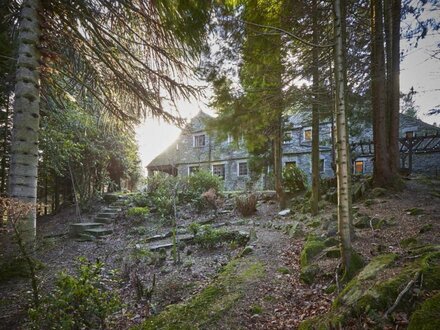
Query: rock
[[414, 211], [294, 229], [246, 251], [331, 241], [427, 316], [98, 232], [378, 192], [365, 221], [426, 228], [332, 252], [78, 228], [309, 273], [283, 213]]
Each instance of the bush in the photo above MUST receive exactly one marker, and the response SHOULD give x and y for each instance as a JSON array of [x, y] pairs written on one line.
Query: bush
[[203, 181], [77, 302], [294, 178], [140, 200], [161, 189], [246, 204], [208, 237], [138, 212]]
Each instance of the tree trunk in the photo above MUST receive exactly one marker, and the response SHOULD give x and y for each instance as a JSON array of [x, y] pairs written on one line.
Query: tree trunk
[[315, 116], [394, 87], [343, 173], [5, 150], [385, 90], [24, 143]]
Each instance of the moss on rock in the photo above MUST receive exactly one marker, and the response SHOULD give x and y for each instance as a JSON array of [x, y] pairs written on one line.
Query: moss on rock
[[312, 247], [208, 307], [427, 317]]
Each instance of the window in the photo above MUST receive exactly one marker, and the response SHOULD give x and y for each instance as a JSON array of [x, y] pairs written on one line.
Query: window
[[287, 137], [321, 165], [199, 140], [308, 134], [359, 167], [287, 164], [409, 134], [242, 169], [193, 169], [219, 170], [230, 138], [177, 146]]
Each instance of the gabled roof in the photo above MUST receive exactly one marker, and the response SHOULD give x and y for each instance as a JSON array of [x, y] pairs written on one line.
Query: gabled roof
[[171, 155]]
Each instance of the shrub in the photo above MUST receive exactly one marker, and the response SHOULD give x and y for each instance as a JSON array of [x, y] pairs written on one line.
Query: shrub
[[77, 302], [138, 212], [294, 178], [203, 181], [140, 200], [246, 204], [208, 237]]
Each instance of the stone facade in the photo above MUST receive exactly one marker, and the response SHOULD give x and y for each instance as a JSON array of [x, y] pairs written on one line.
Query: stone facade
[[196, 149]]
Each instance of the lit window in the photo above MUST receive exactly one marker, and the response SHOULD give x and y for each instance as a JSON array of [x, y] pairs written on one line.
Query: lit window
[[219, 170], [359, 167], [409, 134], [287, 137], [193, 169], [199, 140], [308, 134], [242, 169]]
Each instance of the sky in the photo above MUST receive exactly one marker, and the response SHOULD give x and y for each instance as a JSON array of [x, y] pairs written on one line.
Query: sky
[[418, 70]]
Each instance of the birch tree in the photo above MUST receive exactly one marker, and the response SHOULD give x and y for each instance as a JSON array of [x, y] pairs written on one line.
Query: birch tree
[[342, 151]]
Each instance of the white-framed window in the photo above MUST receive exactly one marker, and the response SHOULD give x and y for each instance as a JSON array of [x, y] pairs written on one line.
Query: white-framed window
[[307, 134], [193, 169], [359, 167], [287, 137], [199, 140], [230, 138], [242, 169], [219, 170]]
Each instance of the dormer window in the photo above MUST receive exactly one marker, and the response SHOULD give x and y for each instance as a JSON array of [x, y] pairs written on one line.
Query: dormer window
[[287, 137], [409, 134], [307, 134], [199, 140]]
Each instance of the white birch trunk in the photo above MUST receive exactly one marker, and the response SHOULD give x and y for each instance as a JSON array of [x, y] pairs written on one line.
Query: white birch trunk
[[24, 144], [342, 151]]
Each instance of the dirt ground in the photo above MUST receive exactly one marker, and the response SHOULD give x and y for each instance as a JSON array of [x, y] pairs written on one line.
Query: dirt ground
[[283, 300]]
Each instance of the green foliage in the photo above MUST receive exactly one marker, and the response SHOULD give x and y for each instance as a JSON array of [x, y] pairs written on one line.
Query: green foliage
[[16, 267], [209, 238], [294, 178], [202, 181], [140, 200], [138, 212], [163, 189], [77, 302]]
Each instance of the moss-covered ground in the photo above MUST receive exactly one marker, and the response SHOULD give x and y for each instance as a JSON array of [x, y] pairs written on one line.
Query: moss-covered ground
[[205, 309]]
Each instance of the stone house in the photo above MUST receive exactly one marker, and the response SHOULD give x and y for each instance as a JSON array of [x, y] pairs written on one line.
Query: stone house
[[195, 149]]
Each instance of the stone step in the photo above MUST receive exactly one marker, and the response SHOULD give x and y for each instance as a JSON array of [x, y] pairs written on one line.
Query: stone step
[[106, 215], [81, 227], [109, 209], [104, 220], [98, 232]]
